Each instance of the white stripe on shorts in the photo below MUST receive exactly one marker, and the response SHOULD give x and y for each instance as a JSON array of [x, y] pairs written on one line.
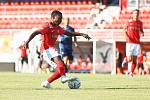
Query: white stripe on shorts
[[48, 54]]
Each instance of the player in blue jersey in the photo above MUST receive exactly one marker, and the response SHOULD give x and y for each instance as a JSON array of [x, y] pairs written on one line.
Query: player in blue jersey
[[66, 43]]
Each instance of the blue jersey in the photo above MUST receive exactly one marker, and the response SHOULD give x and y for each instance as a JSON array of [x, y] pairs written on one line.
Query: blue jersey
[[66, 41]]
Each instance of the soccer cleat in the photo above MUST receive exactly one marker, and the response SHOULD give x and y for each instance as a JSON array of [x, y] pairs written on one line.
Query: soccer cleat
[[130, 74], [45, 84], [65, 79]]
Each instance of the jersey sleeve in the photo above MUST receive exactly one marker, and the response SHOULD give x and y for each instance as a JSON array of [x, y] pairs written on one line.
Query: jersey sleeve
[[41, 31], [60, 31], [125, 27]]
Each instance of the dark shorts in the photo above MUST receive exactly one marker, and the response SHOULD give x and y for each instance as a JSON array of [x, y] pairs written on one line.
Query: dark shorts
[[119, 64], [24, 59], [140, 65], [67, 54]]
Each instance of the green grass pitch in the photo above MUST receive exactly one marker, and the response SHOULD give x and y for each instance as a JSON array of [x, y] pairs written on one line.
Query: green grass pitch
[[26, 86]]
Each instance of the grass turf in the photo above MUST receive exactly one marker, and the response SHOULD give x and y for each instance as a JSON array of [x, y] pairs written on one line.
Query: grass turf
[[26, 86]]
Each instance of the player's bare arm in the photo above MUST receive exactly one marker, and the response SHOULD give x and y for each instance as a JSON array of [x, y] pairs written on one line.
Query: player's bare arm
[[77, 34], [30, 38], [142, 33], [75, 41], [125, 31]]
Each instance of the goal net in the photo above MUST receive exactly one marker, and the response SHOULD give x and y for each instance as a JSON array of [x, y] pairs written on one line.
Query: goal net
[[103, 57]]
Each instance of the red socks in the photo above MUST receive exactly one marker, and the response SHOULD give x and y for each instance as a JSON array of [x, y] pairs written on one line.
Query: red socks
[[133, 67], [54, 76], [60, 70]]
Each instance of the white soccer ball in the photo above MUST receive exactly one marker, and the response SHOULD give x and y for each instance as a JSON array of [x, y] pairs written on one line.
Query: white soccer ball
[[74, 84]]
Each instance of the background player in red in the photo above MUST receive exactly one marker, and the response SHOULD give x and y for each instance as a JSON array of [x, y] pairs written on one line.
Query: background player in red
[[49, 35], [24, 55], [141, 60], [133, 31]]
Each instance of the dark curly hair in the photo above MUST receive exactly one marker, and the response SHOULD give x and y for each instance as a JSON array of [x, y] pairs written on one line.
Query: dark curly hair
[[56, 13]]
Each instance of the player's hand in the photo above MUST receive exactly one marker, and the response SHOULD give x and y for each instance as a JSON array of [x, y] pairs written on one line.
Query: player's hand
[[86, 36], [76, 44], [25, 45]]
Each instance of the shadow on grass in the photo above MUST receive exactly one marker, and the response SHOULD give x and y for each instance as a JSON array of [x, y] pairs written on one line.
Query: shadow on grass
[[116, 88], [110, 88], [106, 88]]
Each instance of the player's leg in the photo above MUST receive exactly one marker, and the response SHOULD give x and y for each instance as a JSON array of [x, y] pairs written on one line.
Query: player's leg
[[65, 59], [134, 63], [39, 67], [135, 53], [45, 67], [52, 54], [142, 67], [26, 60], [128, 56], [40, 64], [22, 62], [64, 56], [61, 69], [70, 60], [129, 53], [120, 67], [139, 68], [26, 63], [129, 66]]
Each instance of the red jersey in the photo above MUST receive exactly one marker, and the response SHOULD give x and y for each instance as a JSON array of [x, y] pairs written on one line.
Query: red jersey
[[49, 35], [140, 58], [23, 51], [134, 29]]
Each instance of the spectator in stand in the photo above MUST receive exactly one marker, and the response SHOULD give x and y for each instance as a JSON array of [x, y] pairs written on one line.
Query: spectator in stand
[[95, 10], [89, 59], [95, 19], [89, 64], [79, 63], [83, 64], [133, 32], [49, 34]]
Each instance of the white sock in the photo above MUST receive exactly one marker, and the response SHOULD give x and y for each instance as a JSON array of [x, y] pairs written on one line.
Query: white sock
[[129, 66]]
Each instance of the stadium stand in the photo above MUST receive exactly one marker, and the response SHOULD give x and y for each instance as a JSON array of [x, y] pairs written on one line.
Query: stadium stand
[[25, 13], [119, 22]]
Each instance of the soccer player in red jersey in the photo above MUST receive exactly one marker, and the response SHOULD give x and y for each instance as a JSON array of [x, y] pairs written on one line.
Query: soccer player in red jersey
[[49, 35], [141, 59], [24, 56], [133, 32]]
